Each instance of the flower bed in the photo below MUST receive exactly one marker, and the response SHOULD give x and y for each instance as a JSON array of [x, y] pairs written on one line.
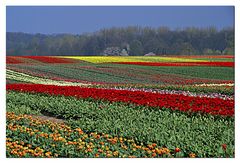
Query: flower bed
[[48, 59], [174, 102], [41, 138], [220, 64], [12, 60]]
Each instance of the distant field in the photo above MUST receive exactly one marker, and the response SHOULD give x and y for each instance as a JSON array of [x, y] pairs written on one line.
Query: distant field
[[105, 106]]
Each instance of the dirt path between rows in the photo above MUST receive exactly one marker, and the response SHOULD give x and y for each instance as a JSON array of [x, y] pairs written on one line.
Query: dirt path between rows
[[45, 118]]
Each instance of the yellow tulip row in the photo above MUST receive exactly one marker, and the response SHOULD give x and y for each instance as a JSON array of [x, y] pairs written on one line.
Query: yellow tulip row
[[105, 59]]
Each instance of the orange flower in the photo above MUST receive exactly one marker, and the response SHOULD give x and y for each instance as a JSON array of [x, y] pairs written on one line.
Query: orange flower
[[113, 141], [154, 155], [150, 146], [145, 148], [109, 155], [96, 155], [36, 154], [100, 150], [192, 155], [80, 132], [98, 136], [166, 150], [138, 147], [91, 143], [48, 154], [89, 150], [159, 151], [13, 152], [102, 143], [154, 144]]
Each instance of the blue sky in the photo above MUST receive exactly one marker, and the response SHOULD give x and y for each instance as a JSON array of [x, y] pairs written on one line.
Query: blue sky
[[81, 19]]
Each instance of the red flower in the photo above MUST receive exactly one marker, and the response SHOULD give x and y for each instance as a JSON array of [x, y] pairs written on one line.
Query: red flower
[[13, 60], [224, 146], [49, 59], [221, 64], [177, 150], [215, 106]]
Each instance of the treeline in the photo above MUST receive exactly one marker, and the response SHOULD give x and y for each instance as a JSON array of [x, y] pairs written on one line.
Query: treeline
[[126, 41]]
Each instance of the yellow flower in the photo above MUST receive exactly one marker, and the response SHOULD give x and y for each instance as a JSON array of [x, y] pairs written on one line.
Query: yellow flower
[[149, 151], [80, 147], [37, 149], [124, 147], [166, 150], [32, 133], [159, 151], [48, 154], [131, 156], [115, 153]]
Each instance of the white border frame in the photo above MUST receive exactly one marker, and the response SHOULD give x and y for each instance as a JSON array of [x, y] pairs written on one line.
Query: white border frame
[[5, 3]]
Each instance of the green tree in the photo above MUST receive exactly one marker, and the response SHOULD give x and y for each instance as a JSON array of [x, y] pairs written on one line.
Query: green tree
[[136, 48]]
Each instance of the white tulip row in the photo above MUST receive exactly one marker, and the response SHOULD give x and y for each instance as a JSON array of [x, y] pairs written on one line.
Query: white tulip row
[[13, 75], [218, 85]]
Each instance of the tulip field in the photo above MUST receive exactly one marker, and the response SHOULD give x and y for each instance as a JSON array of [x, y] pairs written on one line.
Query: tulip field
[[120, 107]]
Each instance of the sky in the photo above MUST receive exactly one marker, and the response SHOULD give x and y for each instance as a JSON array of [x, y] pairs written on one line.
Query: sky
[[83, 19]]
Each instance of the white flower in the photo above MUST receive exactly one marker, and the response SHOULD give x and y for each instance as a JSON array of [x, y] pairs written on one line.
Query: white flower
[[218, 85], [37, 80]]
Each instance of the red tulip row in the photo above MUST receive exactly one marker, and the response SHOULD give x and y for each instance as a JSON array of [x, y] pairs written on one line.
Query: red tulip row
[[220, 64], [12, 60], [48, 59], [215, 106]]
